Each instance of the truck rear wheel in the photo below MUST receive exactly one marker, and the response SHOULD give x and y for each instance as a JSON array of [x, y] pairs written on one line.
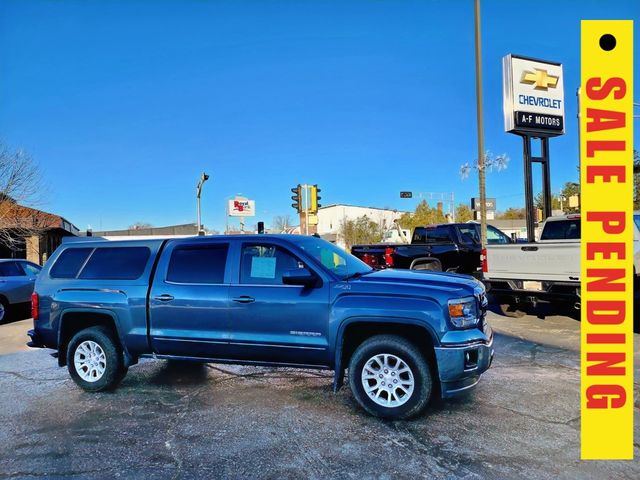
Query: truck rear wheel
[[95, 360], [390, 378]]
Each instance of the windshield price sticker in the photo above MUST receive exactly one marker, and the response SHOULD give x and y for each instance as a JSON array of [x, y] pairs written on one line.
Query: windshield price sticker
[[606, 145]]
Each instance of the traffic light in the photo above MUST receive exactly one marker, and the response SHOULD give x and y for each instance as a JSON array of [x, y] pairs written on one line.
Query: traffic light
[[314, 202], [296, 197]]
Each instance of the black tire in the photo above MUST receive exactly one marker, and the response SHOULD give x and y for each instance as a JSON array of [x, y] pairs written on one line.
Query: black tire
[[430, 266], [4, 311], [409, 354], [114, 370], [511, 311]]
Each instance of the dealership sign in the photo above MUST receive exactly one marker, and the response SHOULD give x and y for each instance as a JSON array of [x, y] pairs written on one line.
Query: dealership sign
[[490, 204], [533, 96], [241, 207]]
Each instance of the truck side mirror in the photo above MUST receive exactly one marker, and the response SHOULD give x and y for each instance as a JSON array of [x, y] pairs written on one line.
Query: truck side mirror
[[299, 276]]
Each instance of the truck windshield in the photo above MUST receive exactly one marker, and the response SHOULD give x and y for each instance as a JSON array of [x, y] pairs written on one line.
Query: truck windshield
[[339, 262]]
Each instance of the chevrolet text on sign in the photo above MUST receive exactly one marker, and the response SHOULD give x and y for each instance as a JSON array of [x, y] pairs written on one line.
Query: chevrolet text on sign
[[533, 96]]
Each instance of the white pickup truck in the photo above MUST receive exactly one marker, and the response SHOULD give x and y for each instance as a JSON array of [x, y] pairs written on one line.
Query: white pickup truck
[[522, 274]]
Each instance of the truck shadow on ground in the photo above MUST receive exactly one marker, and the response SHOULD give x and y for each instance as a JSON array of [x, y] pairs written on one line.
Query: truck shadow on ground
[[541, 310], [175, 372]]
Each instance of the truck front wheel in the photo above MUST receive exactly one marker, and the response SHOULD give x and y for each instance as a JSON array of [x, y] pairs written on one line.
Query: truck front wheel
[[95, 360], [390, 378]]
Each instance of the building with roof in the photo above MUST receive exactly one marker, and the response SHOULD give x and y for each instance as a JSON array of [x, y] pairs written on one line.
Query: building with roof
[[170, 231], [331, 217], [30, 233]]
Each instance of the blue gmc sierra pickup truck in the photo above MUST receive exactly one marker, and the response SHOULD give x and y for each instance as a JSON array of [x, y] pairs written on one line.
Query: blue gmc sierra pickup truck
[[278, 300]]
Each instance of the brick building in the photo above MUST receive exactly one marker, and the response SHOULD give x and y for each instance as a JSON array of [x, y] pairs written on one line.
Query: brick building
[[30, 233]]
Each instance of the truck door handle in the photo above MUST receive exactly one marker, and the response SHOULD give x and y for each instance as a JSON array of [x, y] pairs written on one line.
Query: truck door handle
[[529, 249], [165, 297], [244, 299]]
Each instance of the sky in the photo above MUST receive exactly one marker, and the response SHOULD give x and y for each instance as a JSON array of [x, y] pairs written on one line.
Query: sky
[[123, 104]]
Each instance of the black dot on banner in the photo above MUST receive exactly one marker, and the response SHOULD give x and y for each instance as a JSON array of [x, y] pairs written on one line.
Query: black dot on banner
[[607, 42]]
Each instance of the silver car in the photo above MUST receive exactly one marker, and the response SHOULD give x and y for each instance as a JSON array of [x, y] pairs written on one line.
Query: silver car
[[17, 278]]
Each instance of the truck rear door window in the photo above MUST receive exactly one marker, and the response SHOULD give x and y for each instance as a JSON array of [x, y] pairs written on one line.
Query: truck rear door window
[[198, 264], [69, 262], [561, 230], [431, 235], [469, 234], [116, 263]]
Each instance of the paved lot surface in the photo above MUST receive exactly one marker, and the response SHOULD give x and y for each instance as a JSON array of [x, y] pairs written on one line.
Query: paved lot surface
[[191, 421]]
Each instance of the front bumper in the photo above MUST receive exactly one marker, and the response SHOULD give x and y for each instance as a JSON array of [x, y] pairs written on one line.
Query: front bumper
[[460, 366]]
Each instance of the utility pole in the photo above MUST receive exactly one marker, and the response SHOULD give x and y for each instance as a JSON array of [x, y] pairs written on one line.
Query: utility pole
[[203, 178], [481, 170]]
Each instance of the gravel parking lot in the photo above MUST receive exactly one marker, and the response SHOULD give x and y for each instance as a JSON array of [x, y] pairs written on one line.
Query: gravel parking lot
[[172, 420]]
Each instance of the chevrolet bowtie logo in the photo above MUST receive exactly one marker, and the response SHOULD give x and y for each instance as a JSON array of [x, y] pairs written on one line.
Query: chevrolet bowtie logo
[[540, 79]]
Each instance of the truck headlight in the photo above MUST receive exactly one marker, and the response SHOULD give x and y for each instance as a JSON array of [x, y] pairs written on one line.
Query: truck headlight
[[463, 312]]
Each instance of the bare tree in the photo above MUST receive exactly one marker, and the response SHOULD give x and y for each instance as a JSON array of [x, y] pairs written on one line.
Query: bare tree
[[21, 189], [281, 222]]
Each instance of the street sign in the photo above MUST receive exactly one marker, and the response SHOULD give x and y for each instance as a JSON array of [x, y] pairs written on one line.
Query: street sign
[[490, 203], [241, 207], [533, 96], [406, 194], [574, 201], [491, 215]]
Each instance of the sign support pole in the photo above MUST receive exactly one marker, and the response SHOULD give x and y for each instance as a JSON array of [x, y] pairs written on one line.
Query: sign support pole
[[306, 209], [546, 178], [528, 182], [528, 189]]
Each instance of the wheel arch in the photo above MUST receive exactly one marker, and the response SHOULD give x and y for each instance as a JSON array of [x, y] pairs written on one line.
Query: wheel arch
[[74, 320], [354, 331], [423, 260]]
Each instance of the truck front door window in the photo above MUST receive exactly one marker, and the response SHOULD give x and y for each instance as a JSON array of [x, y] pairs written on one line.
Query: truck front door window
[[496, 237], [265, 264]]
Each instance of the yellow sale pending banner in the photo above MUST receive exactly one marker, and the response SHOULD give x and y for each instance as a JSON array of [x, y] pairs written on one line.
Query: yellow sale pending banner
[[606, 171]]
